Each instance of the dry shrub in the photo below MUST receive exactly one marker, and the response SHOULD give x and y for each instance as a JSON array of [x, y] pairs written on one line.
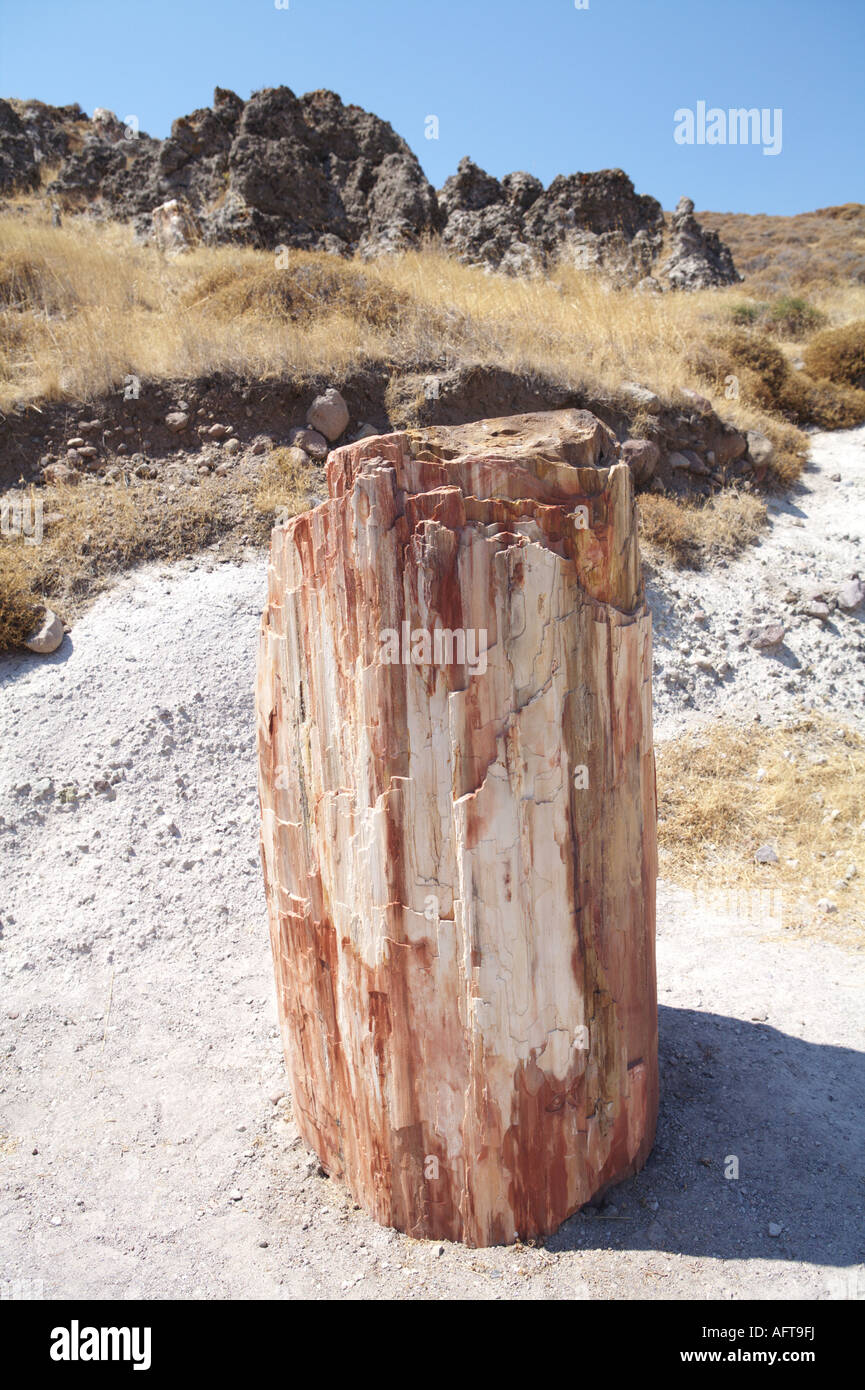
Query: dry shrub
[[20, 604], [729, 789], [757, 362], [821, 403], [791, 316], [692, 534], [767, 380], [788, 316], [287, 484], [791, 448], [838, 355], [312, 284]]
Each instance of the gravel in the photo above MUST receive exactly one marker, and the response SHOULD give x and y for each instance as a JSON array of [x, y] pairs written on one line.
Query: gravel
[[705, 623]]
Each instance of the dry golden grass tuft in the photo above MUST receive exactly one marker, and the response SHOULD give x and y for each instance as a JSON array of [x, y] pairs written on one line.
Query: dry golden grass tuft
[[20, 605], [93, 534], [726, 791], [309, 285], [286, 484], [692, 535]]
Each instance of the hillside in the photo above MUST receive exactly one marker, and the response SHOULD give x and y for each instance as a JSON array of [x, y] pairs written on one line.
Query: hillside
[[812, 251]]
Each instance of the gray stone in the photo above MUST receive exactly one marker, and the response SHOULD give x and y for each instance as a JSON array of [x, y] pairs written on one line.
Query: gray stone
[[760, 448], [328, 414], [311, 442], [641, 397], [816, 609], [766, 855], [47, 637], [850, 594], [765, 637], [641, 456]]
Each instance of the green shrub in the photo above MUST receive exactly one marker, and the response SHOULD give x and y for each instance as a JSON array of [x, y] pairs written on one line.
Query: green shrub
[[794, 317], [747, 315]]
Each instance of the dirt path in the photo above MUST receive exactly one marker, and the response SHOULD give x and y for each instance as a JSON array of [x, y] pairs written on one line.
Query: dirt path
[[141, 1150]]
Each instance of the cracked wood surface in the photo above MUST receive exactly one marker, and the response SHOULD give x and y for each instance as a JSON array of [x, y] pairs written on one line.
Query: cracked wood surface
[[460, 859]]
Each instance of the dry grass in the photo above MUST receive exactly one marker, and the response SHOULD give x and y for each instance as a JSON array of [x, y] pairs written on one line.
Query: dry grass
[[309, 286], [691, 534], [725, 792], [20, 605], [89, 306], [812, 251], [286, 484], [84, 306], [93, 533]]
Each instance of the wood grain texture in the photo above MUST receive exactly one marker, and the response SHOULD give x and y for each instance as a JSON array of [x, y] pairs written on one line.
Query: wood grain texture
[[460, 855]]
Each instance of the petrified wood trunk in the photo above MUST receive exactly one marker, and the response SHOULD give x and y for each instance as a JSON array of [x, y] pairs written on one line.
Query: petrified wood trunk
[[458, 824]]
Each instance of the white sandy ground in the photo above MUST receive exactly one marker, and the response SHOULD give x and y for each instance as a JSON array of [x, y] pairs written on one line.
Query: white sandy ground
[[141, 1152]]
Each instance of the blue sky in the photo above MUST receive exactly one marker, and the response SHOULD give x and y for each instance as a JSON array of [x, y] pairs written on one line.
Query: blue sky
[[516, 84]]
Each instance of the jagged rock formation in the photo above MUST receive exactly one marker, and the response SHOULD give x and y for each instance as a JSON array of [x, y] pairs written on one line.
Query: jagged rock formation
[[483, 220], [312, 173], [459, 840], [699, 260], [593, 220], [277, 169], [31, 134]]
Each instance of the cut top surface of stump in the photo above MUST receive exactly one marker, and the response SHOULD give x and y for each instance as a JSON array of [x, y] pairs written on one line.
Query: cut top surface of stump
[[550, 476]]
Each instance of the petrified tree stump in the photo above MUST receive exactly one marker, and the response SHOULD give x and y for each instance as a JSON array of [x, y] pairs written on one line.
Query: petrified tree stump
[[458, 824]]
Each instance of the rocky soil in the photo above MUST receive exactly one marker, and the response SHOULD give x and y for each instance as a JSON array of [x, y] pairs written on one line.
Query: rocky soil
[[147, 1146], [171, 430], [310, 172], [782, 627]]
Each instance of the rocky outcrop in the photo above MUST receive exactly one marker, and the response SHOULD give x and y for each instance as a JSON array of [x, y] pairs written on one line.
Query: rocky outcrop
[[698, 260], [458, 824], [33, 134], [595, 221], [483, 219], [310, 172], [275, 170], [18, 167]]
